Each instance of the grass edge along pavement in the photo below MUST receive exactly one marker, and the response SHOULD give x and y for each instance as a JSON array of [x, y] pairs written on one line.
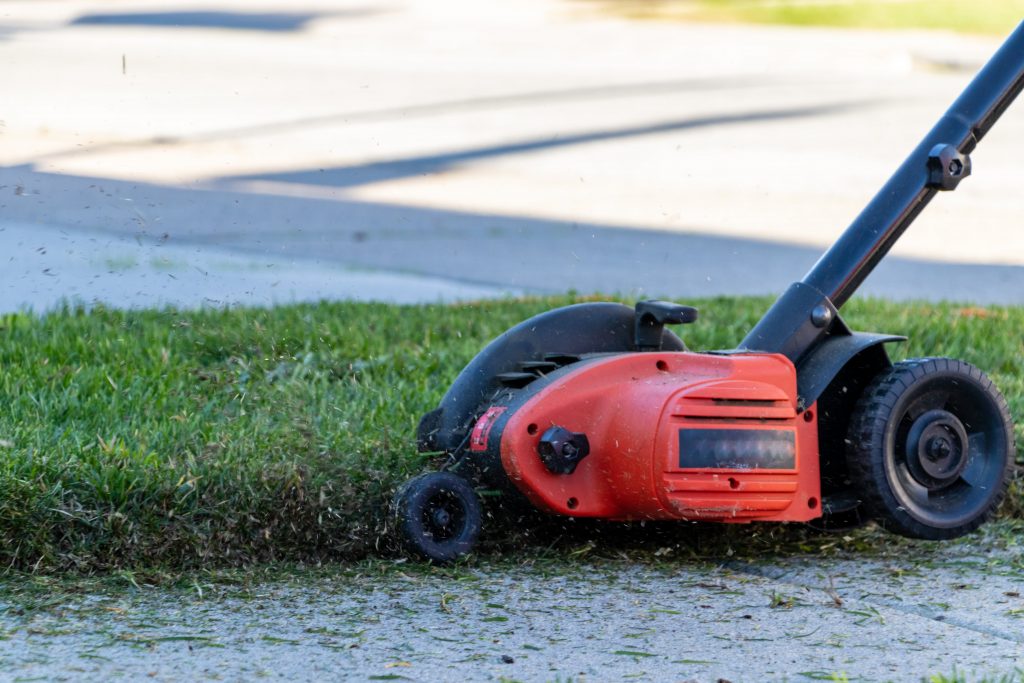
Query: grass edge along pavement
[[991, 17], [165, 438]]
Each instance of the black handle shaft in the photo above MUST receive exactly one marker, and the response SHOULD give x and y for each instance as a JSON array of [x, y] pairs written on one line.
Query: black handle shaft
[[842, 268]]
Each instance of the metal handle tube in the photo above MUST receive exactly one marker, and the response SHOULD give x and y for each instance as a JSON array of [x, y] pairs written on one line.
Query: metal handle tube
[[842, 268]]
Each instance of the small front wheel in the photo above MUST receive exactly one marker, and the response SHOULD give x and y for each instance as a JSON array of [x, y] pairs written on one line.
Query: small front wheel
[[930, 448], [438, 516]]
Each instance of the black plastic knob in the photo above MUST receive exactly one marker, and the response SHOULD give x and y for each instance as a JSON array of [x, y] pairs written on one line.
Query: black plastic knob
[[562, 450]]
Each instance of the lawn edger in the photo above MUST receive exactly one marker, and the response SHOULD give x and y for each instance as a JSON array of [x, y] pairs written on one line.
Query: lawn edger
[[597, 410]]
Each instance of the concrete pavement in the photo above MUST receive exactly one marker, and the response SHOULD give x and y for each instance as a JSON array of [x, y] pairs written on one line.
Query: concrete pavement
[[46, 266], [537, 146], [919, 610]]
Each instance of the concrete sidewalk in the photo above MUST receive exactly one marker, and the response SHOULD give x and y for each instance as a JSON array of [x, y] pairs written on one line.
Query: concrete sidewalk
[[921, 610], [50, 266], [539, 145]]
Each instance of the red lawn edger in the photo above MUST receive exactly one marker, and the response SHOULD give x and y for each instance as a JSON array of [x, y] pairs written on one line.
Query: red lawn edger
[[596, 410]]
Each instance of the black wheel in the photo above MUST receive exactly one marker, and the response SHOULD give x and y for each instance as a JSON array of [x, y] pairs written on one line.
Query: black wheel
[[438, 516], [930, 448]]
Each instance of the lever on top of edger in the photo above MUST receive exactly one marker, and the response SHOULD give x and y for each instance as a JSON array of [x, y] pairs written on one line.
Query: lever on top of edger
[[651, 318]]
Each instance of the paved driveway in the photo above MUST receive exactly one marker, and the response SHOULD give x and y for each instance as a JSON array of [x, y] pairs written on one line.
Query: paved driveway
[[531, 146]]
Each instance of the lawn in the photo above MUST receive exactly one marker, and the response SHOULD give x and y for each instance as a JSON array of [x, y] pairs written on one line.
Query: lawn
[[996, 17], [218, 438]]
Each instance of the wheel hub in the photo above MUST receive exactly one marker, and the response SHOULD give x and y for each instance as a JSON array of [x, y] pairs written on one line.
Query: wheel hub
[[441, 518], [937, 449]]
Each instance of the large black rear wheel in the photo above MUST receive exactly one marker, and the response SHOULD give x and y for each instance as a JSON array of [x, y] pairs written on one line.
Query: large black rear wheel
[[438, 516], [930, 448]]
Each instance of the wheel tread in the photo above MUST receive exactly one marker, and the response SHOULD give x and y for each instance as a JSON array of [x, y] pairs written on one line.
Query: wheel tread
[[866, 444], [408, 506]]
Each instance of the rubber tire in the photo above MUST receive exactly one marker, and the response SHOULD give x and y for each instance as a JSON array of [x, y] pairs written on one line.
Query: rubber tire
[[870, 446], [412, 502]]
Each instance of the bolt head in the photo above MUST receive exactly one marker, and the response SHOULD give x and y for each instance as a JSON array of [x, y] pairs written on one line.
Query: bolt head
[[939, 447], [821, 315]]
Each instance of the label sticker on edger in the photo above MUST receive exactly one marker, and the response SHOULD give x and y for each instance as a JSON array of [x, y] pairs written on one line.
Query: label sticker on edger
[[482, 430], [737, 449]]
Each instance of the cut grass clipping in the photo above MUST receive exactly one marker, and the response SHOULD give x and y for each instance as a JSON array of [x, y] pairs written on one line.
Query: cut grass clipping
[[196, 439]]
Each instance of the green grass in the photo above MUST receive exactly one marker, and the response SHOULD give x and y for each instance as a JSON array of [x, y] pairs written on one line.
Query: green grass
[[191, 439], [979, 16]]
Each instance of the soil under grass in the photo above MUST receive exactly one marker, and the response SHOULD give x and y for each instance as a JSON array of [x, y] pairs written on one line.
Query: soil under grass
[[216, 438]]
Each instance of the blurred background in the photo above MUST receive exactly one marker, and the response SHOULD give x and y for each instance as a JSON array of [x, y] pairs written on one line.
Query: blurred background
[[216, 153]]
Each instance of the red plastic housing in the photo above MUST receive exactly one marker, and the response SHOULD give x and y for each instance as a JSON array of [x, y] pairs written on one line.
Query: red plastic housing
[[673, 436]]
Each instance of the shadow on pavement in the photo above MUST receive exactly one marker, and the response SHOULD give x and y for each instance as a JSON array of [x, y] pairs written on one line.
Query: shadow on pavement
[[439, 108], [351, 176], [269, 21], [522, 252]]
